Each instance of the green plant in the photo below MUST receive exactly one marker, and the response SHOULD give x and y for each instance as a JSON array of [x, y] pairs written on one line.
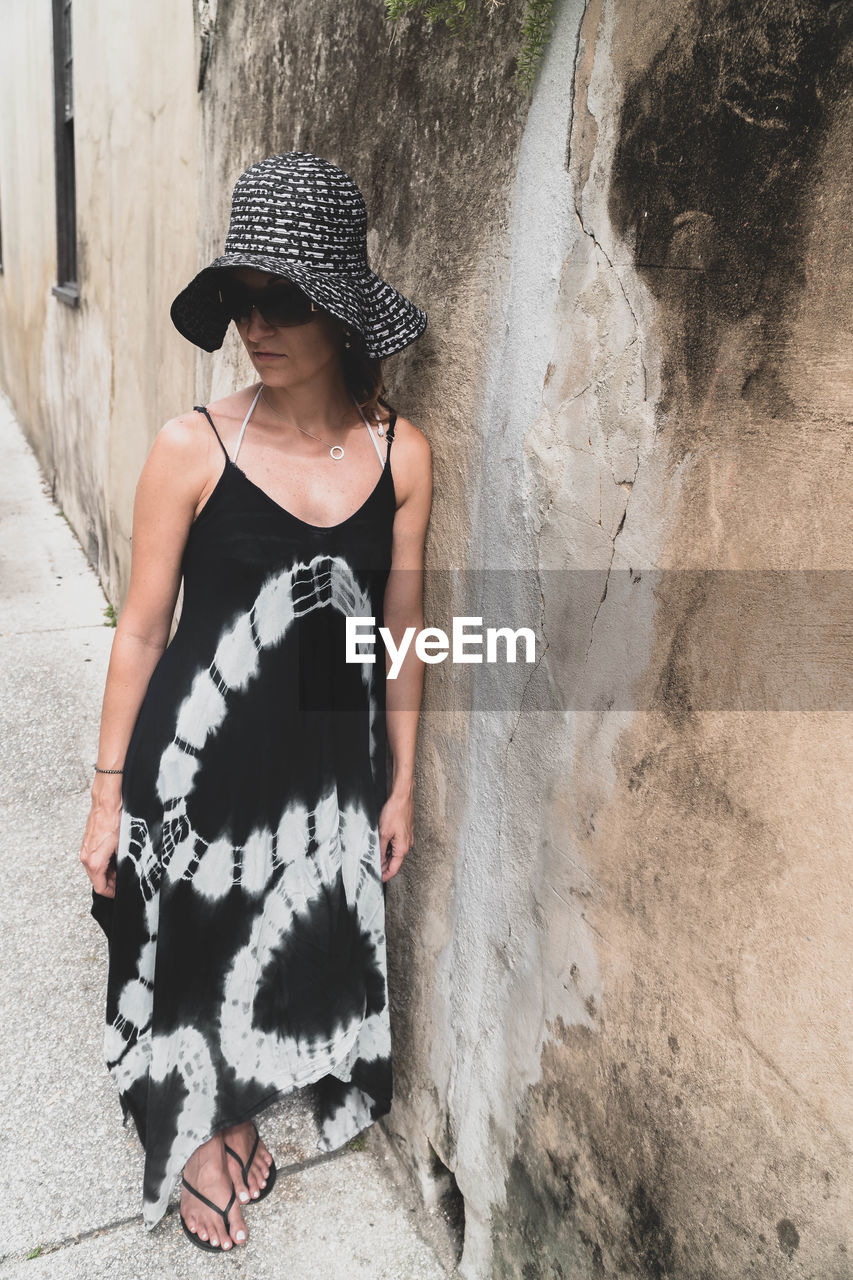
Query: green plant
[[536, 26], [451, 12], [110, 616], [358, 1143], [535, 31], [34, 1253]]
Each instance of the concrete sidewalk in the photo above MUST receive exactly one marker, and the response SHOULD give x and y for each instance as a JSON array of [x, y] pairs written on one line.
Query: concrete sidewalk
[[70, 1175]]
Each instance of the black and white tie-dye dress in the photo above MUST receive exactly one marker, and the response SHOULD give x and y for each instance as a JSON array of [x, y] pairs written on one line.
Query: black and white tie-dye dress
[[247, 933]]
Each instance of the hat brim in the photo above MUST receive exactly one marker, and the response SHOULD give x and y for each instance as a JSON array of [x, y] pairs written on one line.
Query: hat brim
[[386, 319]]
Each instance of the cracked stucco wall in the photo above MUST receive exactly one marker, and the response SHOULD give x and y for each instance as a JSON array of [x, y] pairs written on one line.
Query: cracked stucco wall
[[619, 950], [626, 925], [678, 863], [617, 960]]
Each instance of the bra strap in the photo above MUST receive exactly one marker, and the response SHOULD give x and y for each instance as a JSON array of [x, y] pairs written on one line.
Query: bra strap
[[245, 421], [389, 430], [201, 408]]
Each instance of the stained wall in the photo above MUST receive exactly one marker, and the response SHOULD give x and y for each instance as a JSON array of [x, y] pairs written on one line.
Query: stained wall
[[619, 950], [92, 384]]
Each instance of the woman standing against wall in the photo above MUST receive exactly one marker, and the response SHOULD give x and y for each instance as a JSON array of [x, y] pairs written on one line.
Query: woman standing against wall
[[241, 832]]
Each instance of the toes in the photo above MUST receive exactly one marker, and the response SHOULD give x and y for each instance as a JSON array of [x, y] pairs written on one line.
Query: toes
[[260, 1172], [237, 1225], [239, 1184]]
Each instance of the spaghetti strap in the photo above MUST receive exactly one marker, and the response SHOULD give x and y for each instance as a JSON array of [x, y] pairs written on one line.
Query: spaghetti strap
[[389, 432], [201, 408]]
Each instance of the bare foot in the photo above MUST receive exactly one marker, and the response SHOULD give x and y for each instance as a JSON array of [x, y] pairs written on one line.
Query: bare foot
[[207, 1170], [242, 1138]]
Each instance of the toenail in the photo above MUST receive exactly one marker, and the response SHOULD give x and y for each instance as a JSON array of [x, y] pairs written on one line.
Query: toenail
[[255, 1194], [244, 1196], [241, 1235]]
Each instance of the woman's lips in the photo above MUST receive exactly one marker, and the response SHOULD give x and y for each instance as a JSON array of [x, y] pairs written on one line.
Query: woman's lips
[[269, 355]]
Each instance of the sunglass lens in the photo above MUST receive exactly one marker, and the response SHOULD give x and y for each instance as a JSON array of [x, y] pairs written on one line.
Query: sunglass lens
[[285, 306], [278, 306], [236, 303]]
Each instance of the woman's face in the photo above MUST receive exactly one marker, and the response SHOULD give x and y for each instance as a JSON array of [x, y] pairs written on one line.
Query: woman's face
[[288, 354]]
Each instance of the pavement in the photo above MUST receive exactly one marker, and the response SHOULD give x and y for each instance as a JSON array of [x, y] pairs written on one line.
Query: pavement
[[70, 1174]]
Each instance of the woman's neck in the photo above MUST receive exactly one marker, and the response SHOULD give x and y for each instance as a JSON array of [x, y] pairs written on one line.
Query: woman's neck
[[324, 408]]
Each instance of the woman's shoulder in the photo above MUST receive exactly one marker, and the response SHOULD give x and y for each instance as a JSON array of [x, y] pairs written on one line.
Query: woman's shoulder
[[410, 439], [187, 439], [233, 405], [183, 434], [411, 462]]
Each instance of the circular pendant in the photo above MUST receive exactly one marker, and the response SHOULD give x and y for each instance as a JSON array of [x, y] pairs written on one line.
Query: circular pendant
[[380, 429], [340, 452]]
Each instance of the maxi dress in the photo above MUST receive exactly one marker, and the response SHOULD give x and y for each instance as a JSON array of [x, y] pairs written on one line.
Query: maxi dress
[[246, 937]]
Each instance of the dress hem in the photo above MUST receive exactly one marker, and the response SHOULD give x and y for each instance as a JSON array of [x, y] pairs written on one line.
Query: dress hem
[[257, 1108]]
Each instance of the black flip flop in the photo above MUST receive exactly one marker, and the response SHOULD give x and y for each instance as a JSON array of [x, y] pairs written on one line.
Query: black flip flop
[[205, 1244], [247, 1166]]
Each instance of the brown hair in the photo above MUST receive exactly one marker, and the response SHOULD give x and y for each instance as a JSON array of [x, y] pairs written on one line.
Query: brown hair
[[363, 375]]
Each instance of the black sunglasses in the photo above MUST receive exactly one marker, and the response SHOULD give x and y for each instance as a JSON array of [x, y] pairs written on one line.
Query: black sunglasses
[[278, 304]]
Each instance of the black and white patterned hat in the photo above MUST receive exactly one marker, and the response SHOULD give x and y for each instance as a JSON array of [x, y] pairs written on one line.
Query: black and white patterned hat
[[299, 216]]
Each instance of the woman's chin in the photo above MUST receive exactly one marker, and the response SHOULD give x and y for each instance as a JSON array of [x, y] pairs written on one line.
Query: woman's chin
[[273, 372]]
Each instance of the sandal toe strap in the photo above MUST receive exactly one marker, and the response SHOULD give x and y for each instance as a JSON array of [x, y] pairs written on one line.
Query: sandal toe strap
[[244, 1168], [254, 1149], [209, 1203]]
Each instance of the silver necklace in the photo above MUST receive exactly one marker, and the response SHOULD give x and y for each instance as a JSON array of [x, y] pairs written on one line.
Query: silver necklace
[[332, 448]]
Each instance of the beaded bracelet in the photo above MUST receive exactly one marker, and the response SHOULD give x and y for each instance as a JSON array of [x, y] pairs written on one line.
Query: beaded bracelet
[[97, 770]]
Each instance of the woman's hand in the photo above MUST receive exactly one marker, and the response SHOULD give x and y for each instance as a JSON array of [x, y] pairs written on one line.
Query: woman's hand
[[100, 839], [396, 825]]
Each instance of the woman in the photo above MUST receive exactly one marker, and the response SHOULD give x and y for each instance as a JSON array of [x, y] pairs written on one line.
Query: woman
[[241, 831]]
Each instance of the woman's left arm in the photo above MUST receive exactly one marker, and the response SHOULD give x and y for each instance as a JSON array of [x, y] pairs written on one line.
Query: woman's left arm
[[402, 608]]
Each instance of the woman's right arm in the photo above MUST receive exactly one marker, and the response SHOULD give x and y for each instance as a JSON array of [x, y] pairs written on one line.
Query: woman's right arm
[[175, 477]]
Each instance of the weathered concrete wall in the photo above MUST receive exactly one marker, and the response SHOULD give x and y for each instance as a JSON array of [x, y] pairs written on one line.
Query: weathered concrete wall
[[681, 1107], [619, 951], [92, 385]]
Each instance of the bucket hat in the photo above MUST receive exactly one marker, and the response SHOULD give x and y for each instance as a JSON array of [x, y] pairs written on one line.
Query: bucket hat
[[299, 216]]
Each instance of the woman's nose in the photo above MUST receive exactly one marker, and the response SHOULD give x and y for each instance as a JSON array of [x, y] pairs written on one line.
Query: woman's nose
[[258, 327]]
